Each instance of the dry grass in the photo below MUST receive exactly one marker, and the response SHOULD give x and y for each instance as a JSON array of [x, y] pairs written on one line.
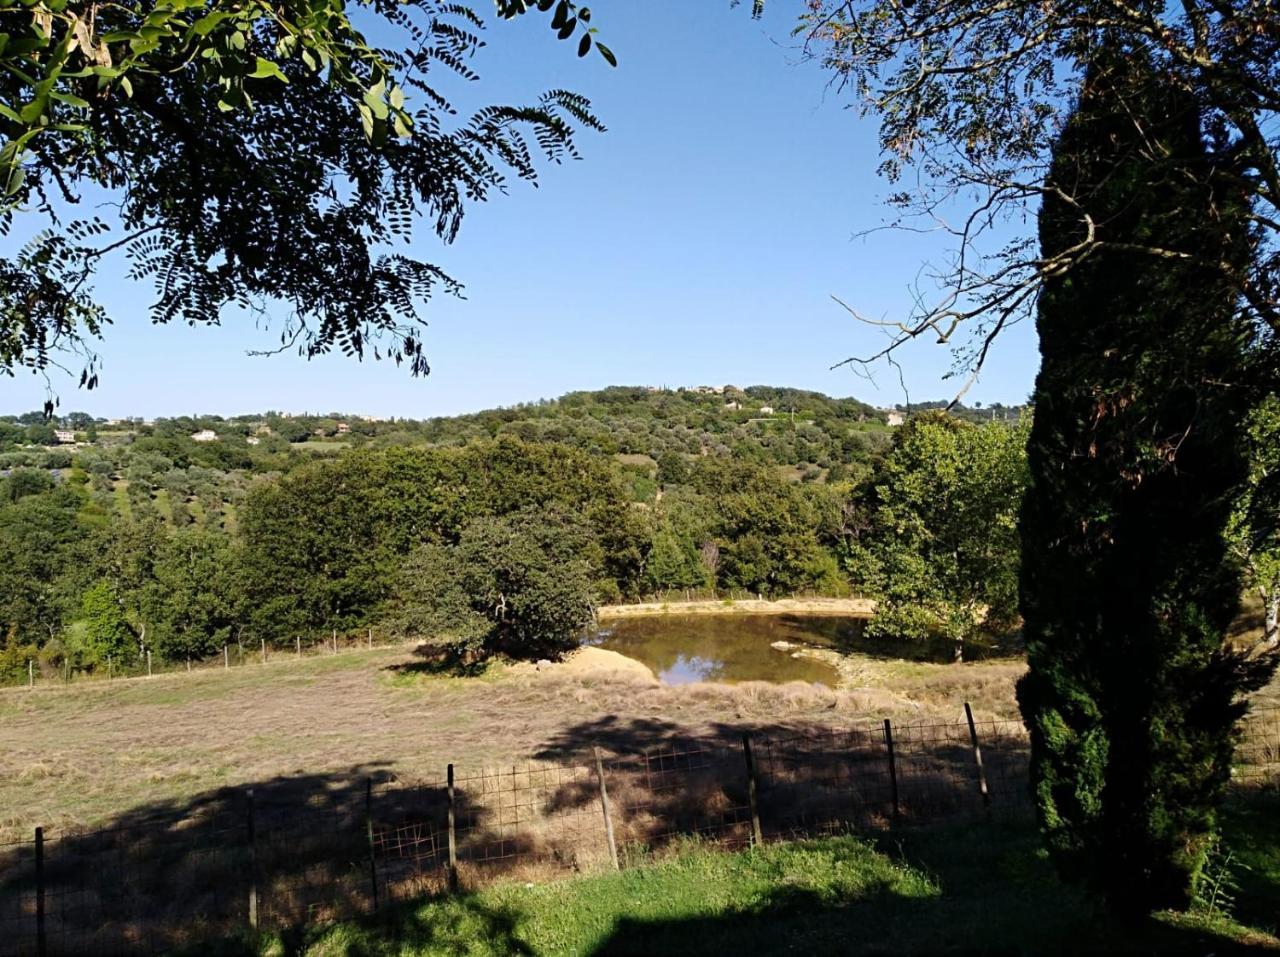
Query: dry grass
[[82, 754], [836, 607]]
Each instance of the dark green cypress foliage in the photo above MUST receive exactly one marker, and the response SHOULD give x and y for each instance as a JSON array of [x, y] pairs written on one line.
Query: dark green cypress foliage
[[1136, 455]]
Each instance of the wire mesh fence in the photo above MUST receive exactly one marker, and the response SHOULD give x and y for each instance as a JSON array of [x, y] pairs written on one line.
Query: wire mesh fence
[[318, 851]]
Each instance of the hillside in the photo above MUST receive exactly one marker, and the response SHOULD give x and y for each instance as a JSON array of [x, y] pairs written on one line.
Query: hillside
[[180, 535]]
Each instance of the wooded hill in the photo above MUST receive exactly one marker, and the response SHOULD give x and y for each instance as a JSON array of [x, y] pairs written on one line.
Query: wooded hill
[[180, 534]]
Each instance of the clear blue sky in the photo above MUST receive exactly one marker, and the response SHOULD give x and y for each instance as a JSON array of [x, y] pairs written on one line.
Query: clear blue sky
[[699, 240]]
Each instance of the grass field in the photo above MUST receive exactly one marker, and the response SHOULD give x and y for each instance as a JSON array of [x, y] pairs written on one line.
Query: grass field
[[79, 755], [83, 754], [977, 889]]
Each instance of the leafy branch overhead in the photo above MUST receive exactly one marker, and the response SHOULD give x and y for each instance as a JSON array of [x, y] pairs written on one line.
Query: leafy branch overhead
[[969, 96], [256, 153]]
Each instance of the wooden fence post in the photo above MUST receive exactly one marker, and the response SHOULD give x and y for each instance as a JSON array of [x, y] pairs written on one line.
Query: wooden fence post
[[226, 659], [253, 865], [297, 642], [373, 854], [977, 758], [453, 841], [148, 662], [757, 836], [371, 639], [604, 804], [31, 674], [42, 947], [335, 641], [264, 649], [110, 675], [893, 767]]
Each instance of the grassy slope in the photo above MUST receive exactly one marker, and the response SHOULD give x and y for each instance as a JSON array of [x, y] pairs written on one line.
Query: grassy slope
[[972, 889], [84, 753]]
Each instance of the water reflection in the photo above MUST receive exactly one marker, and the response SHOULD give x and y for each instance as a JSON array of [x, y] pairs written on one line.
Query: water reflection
[[682, 649]]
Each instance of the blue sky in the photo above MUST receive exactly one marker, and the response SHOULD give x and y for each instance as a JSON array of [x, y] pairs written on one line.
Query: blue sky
[[699, 240]]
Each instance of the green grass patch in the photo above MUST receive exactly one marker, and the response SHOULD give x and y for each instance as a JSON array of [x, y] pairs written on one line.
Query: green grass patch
[[963, 889]]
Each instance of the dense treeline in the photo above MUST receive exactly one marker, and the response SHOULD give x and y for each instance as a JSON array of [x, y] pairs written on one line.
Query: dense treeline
[[153, 540], [169, 538]]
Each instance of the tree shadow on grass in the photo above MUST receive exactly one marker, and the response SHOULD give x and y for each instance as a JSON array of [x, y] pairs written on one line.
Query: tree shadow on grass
[[997, 894], [1251, 834], [177, 874], [457, 925], [436, 662]]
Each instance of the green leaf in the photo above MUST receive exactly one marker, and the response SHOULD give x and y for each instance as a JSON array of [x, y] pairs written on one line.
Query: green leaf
[[206, 24], [584, 45], [264, 68], [70, 99], [607, 54], [32, 110], [396, 98]]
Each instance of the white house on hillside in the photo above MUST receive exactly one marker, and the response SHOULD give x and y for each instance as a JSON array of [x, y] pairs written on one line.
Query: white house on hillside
[[766, 410], [64, 437], [894, 418], [204, 435]]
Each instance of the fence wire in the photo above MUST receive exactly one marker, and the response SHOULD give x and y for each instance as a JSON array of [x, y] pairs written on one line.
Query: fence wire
[[320, 853]]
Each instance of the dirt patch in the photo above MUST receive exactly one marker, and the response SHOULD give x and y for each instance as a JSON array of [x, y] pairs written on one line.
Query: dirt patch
[[584, 662]]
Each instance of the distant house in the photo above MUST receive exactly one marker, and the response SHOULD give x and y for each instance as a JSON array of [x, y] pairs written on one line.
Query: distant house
[[766, 410], [253, 440], [733, 406], [204, 435], [894, 418], [343, 428], [64, 436]]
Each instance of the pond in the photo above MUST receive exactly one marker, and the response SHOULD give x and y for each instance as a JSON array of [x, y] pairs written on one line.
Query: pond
[[682, 649]]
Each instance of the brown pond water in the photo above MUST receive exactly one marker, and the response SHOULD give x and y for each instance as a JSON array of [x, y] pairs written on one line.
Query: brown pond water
[[682, 649]]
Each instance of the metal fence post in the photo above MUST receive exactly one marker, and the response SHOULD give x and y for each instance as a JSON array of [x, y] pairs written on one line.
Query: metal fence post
[[977, 758], [253, 865], [893, 767], [604, 804], [453, 841], [757, 836], [42, 946], [373, 854]]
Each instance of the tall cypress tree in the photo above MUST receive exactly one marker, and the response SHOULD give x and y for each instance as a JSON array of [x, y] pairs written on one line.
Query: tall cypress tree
[[1137, 454]]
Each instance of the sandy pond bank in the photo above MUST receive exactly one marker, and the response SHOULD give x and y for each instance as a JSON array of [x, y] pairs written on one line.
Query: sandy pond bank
[[840, 607]]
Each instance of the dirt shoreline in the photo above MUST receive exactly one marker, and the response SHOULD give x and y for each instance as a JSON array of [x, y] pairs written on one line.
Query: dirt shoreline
[[840, 607]]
